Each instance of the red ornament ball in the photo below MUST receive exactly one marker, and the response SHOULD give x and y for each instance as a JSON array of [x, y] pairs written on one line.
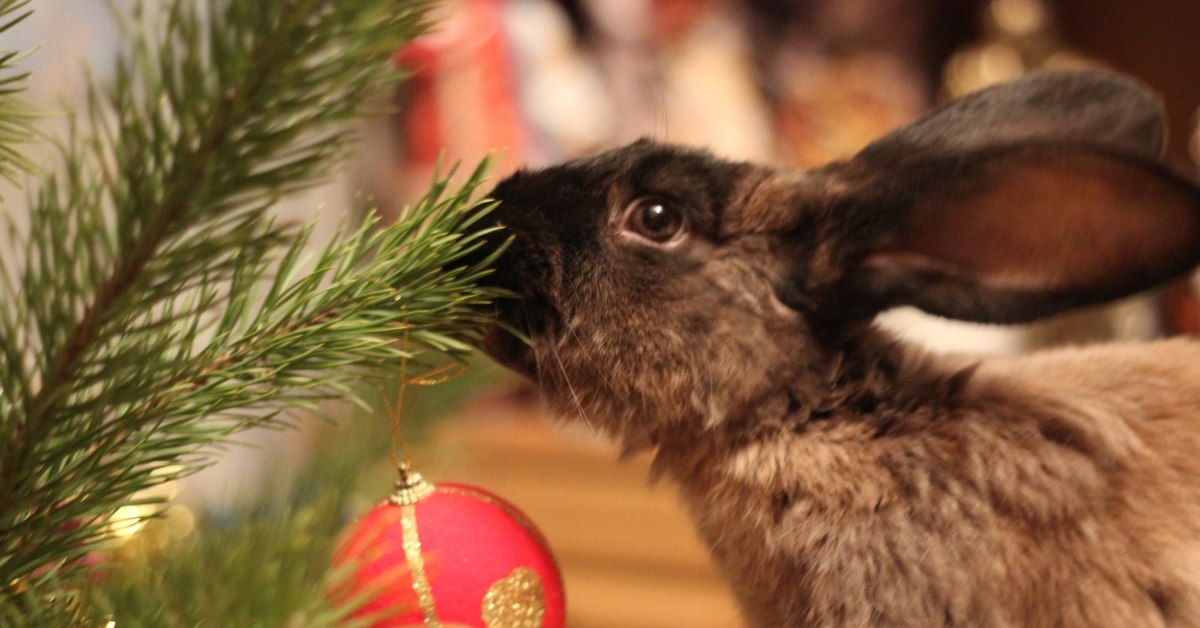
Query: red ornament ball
[[450, 554]]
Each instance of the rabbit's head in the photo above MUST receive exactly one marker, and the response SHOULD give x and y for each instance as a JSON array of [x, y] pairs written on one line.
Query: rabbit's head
[[665, 290]]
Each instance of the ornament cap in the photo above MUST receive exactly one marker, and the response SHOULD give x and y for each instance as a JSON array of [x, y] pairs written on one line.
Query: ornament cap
[[410, 488]]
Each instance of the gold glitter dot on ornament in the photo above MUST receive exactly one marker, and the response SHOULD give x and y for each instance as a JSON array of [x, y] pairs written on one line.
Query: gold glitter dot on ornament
[[517, 601]]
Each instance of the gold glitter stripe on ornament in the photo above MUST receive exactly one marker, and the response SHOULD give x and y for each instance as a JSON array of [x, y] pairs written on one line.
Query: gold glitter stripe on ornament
[[416, 565]]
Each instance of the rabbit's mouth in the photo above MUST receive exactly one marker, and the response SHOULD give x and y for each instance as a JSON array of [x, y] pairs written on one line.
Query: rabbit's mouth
[[530, 315], [509, 350]]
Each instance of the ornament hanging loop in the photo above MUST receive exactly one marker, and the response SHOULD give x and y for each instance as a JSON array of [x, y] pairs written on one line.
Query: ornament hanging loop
[[410, 487]]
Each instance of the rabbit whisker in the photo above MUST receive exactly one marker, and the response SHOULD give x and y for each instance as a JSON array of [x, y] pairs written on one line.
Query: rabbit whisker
[[589, 356], [535, 354], [571, 388]]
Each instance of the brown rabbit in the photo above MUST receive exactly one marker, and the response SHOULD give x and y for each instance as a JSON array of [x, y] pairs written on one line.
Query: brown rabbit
[[721, 313]]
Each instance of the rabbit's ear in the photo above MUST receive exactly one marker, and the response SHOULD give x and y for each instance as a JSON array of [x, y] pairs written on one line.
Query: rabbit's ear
[[1010, 234], [1096, 108], [1017, 202]]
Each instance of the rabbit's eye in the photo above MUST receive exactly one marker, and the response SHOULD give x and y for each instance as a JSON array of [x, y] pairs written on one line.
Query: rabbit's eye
[[654, 219]]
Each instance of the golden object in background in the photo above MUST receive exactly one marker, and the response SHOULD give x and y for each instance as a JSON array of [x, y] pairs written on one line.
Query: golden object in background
[[1021, 36]]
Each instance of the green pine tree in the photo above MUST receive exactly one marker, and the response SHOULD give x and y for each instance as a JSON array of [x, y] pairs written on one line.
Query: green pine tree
[[153, 308]]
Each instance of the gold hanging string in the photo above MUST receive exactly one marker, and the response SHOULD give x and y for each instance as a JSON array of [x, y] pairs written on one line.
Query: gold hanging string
[[439, 375], [394, 406]]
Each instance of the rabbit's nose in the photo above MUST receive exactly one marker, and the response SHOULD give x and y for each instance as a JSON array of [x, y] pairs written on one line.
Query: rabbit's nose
[[520, 267], [491, 236]]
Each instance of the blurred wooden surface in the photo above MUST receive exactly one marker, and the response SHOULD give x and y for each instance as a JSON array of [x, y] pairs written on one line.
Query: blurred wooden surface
[[628, 552]]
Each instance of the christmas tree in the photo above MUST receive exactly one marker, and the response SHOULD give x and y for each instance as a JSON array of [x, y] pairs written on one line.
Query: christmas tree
[[151, 307]]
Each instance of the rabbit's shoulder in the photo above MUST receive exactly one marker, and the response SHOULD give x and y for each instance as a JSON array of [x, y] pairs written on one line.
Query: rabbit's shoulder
[[1140, 382], [1131, 410]]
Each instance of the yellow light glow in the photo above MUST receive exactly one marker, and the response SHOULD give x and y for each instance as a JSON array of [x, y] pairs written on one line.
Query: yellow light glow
[[180, 521], [129, 520]]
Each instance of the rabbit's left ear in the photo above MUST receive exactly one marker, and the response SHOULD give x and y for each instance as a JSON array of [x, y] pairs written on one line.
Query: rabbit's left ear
[[1017, 203]]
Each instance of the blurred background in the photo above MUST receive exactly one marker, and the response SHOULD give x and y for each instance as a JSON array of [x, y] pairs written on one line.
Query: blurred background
[[796, 82]]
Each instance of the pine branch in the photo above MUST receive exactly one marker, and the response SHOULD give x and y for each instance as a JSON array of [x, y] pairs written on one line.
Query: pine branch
[[16, 115], [159, 309], [278, 550], [268, 571]]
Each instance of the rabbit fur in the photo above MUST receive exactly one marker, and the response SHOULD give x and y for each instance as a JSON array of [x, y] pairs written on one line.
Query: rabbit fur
[[721, 313]]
